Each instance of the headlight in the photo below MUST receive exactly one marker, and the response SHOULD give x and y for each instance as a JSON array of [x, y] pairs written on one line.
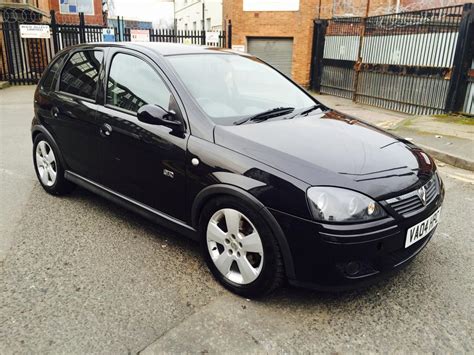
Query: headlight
[[334, 204]]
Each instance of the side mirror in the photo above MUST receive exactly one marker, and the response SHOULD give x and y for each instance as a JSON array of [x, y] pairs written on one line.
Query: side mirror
[[157, 115]]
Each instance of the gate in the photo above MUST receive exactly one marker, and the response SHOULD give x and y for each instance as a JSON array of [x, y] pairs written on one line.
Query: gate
[[407, 62], [23, 60], [469, 99], [339, 56]]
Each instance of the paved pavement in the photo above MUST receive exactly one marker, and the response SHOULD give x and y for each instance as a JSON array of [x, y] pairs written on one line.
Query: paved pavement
[[79, 274], [382, 118], [450, 142]]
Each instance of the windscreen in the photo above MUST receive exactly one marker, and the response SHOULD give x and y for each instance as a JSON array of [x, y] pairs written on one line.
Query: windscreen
[[229, 87]]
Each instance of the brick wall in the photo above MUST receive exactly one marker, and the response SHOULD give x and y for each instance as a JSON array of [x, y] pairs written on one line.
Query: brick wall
[[43, 5], [96, 19], [334, 8], [429, 4], [327, 9]]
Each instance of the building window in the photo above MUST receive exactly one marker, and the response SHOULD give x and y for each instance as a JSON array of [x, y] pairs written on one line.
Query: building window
[[186, 26], [194, 26], [208, 24], [76, 6]]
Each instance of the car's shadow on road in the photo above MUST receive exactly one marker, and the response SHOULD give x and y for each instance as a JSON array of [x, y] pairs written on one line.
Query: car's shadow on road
[[159, 232]]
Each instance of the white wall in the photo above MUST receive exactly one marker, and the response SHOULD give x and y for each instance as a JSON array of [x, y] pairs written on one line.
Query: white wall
[[190, 11]]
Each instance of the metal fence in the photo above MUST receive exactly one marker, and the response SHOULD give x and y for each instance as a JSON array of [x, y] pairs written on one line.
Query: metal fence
[[24, 59], [413, 62], [469, 99]]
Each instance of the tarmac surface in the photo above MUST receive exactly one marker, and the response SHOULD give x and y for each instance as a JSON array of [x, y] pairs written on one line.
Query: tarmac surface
[[81, 275]]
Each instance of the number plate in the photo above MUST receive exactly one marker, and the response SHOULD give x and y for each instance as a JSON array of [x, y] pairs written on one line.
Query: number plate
[[422, 229]]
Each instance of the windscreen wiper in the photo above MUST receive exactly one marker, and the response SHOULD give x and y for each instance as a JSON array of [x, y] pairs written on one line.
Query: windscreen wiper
[[312, 108], [265, 115], [308, 110]]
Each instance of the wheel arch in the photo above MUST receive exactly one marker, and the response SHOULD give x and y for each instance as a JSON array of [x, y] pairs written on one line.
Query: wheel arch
[[40, 129], [211, 192]]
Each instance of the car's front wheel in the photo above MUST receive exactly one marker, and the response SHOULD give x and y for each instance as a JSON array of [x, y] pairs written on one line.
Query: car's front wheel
[[48, 167], [239, 248]]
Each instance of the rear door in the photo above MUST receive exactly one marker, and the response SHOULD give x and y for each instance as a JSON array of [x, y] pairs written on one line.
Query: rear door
[[45, 95], [277, 52], [73, 111]]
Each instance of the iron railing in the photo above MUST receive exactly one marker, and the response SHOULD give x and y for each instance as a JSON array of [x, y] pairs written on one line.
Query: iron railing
[[402, 61], [24, 59]]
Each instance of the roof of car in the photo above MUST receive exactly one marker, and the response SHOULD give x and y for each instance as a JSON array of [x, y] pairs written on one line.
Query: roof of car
[[165, 49]]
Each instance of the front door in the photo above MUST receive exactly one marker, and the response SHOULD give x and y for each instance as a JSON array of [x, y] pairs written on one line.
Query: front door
[[144, 162]]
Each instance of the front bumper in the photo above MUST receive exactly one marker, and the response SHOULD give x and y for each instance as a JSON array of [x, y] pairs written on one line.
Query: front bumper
[[340, 257]]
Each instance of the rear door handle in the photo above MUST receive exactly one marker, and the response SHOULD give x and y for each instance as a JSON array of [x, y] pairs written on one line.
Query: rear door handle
[[105, 130]]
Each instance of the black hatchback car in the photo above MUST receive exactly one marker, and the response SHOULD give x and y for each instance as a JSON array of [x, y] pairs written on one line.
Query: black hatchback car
[[227, 150]]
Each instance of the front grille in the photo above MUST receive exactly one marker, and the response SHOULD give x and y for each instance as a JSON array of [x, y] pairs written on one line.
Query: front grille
[[408, 203]]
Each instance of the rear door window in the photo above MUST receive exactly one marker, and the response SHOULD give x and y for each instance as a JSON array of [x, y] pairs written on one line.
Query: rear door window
[[81, 74]]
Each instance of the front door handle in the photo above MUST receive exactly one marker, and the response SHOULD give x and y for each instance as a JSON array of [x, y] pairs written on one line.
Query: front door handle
[[105, 130], [55, 112]]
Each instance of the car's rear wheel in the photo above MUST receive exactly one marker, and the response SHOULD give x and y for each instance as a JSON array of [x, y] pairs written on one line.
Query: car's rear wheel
[[239, 247], [48, 167]]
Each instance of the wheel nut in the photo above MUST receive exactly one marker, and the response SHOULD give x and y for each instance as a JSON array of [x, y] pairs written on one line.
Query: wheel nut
[[227, 241], [238, 254]]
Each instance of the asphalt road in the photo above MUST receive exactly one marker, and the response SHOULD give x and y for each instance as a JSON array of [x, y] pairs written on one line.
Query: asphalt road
[[78, 274]]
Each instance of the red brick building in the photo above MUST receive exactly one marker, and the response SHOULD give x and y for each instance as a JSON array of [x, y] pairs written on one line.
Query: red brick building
[[67, 11], [282, 38]]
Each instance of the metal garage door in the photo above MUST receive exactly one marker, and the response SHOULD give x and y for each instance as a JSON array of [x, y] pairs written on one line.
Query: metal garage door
[[275, 51]]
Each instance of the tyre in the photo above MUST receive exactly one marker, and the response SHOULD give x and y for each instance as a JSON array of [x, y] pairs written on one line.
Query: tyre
[[48, 167], [240, 248]]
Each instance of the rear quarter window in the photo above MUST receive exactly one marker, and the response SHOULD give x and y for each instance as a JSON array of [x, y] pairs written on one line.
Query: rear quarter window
[[50, 78]]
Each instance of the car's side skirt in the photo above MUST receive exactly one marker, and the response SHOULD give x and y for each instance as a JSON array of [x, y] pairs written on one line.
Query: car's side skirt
[[133, 205]]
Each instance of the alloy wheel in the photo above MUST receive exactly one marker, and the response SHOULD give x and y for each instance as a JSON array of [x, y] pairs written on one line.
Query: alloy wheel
[[46, 163], [235, 246]]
